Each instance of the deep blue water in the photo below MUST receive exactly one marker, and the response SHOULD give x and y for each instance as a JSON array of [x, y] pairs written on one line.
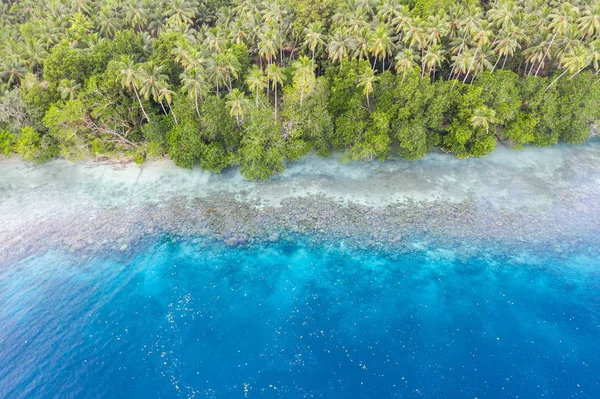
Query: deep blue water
[[292, 321]]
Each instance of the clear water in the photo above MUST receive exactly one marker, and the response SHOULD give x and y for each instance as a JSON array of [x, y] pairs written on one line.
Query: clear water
[[188, 319]]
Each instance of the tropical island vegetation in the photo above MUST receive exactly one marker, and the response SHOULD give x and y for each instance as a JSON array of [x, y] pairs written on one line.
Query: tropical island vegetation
[[258, 83]]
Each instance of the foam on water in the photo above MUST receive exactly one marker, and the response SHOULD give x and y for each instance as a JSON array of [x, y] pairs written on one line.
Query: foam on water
[[185, 319]]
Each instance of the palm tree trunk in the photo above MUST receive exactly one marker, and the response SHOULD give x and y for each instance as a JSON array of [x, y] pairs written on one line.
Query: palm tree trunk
[[196, 103], [468, 72], [140, 101], [545, 54], [496, 63], [459, 52], [173, 113], [163, 107], [577, 73], [555, 80], [275, 90]]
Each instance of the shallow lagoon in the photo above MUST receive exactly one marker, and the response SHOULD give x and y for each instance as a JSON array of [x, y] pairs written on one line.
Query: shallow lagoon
[[102, 296]]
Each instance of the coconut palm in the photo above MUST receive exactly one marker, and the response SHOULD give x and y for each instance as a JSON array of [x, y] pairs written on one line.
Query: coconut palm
[[415, 35], [366, 80], [504, 13], [275, 78], [256, 81], [313, 35], [129, 78], [589, 21], [268, 45], [106, 23], [388, 10], [164, 94], [432, 59], [380, 44], [436, 28], [402, 20], [406, 62], [193, 82], [304, 76], [237, 103], [182, 12], [505, 45], [152, 80], [34, 53], [136, 15], [68, 88], [338, 46], [573, 62], [560, 23], [483, 117]]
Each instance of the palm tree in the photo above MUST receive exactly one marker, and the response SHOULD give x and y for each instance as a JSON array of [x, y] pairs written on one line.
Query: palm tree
[[152, 80], [338, 46], [574, 62], [304, 75], [215, 40], [380, 44], [388, 10], [107, 24], [68, 88], [129, 78], [436, 28], [35, 53], [357, 21], [194, 84], [182, 12], [360, 44], [483, 117], [560, 23], [589, 22], [402, 20], [537, 54], [313, 37], [506, 45], [136, 15], [256, 81], [366, 80], [406, 61], [267, 47], [463, 63], [432, 60], [237, 103], [415, 35], [165, 94], [231, 66], [504, 13], [275, 77]]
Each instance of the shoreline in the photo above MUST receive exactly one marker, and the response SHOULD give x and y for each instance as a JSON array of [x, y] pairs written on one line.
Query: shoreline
[[507, 204]]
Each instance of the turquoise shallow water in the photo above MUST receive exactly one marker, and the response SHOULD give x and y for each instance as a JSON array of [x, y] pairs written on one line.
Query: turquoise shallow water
[[192, 319]]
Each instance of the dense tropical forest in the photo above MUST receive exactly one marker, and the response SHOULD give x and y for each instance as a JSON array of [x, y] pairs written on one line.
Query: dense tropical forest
[[258, 83]]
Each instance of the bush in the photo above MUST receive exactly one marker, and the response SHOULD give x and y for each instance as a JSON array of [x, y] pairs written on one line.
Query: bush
[[7, 140]]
